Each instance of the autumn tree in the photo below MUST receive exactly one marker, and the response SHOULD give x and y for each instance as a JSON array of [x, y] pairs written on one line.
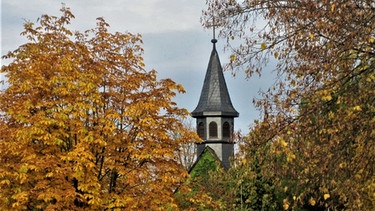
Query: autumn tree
[[84, 126], [252, 189], [187, 152], [200, 190], [243, 186], [317, 126]]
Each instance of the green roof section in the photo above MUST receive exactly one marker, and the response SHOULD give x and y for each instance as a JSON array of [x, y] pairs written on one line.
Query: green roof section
[[206, 162]]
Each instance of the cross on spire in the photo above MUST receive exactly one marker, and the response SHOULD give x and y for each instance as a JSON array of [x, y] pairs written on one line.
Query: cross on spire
[[213, 27], [214, 40]]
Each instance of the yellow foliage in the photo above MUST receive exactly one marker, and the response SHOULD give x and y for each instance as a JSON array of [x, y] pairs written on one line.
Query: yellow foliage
[[81, 123], [312, 201], [357, 108], [290, 157], [286, 204], [283, 143], [327, 97], [333, 7], [286, 188], [263, 46]]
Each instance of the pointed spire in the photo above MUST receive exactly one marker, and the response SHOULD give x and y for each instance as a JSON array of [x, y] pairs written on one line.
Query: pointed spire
[[214, 99]]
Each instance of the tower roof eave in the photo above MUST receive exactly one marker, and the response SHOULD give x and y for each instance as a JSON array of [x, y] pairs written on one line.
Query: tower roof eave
[[214, 113]]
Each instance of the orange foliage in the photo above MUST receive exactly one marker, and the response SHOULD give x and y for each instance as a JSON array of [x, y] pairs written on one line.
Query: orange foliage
[[84, 126]]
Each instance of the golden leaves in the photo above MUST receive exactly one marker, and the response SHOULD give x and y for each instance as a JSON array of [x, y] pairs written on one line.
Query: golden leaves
[[325, 94], [283, 143], [327, 97], [286, 204], [333, 7], [312, 201], [370, 78], [357, 108], [86, 119], [263, 46], [232, 58], [276, 55]]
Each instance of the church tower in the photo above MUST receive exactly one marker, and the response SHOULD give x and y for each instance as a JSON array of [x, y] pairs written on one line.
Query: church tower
[[215, 113]]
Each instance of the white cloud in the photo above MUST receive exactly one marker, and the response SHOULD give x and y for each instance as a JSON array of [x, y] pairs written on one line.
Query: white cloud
[[175, 43]]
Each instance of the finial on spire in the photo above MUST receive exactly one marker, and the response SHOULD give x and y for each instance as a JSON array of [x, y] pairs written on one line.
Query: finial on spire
[[214, 40]]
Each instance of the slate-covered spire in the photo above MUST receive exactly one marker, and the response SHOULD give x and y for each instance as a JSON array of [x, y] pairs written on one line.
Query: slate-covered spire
[[214, 99]]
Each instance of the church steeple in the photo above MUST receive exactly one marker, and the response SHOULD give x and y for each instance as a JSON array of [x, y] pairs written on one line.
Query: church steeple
[[214, 99], [215, 113]]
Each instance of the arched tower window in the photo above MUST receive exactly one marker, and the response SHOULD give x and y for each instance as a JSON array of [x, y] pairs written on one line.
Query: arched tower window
[[213, 130], [226, 130], [200, 130]]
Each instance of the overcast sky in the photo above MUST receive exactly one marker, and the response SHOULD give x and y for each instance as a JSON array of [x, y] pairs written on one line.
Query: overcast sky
[[175, 43]]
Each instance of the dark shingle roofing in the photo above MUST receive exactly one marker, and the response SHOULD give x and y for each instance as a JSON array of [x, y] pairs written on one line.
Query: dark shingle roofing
[[214, 99]]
